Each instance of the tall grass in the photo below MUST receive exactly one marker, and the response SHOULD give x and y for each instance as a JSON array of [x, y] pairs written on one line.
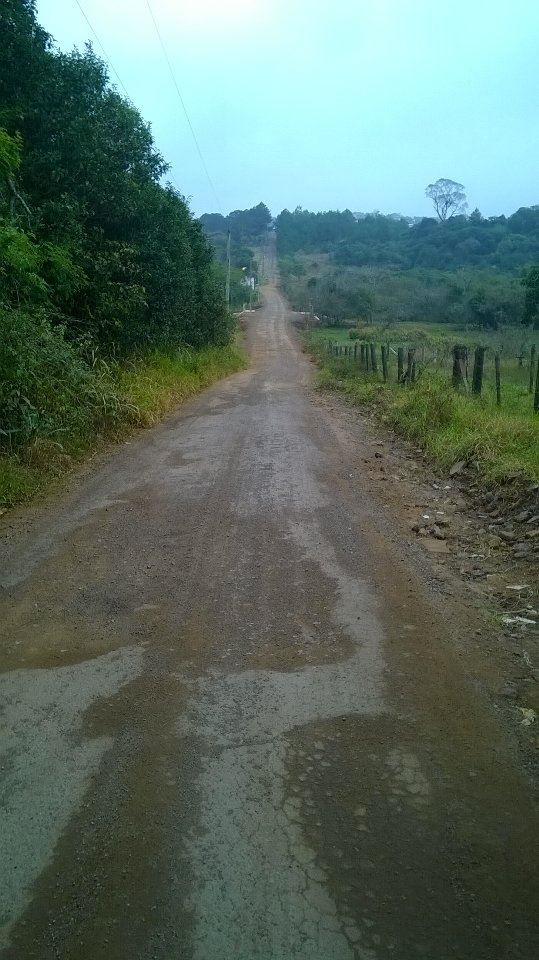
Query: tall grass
[[155, 384], [63, 419], [448, 425]]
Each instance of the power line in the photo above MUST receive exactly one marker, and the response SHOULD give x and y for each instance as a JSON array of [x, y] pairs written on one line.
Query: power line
[[103, 51], [115, 72], [184, 108]]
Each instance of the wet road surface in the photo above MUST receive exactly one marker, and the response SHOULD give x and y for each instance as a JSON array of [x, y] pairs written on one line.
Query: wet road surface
[[232, 724]]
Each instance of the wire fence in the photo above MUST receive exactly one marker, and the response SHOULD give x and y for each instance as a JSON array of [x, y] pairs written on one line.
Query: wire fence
[[468, 369]]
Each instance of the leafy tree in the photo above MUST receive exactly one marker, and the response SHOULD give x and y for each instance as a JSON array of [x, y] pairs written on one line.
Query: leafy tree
[[530, 282], [483, 309], [96, 255], [137, 269], [375, 239], [448, 198], [213, 223], [249, 224]]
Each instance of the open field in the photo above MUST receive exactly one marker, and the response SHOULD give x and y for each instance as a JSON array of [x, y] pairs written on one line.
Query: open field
[[509, 341], [450, 425]]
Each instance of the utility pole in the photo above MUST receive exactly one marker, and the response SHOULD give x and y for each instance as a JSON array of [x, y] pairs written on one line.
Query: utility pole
[[227, 288], [251, 283]]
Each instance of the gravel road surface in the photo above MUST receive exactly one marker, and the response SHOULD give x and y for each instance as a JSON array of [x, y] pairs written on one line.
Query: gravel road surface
[[233, 723]]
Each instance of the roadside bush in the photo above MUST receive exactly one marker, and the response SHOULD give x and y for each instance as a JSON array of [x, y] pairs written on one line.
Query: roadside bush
[[431, 405], [47, 389]]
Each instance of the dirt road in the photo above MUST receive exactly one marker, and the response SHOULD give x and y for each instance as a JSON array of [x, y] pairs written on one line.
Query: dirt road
[[233, 727]]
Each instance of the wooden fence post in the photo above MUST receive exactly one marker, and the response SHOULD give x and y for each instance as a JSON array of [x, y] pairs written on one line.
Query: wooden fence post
[[355, 350], [536, 397], [384, 362], [478, 366], [410, 364], [367, 358], [400, 364], [532, 369], [374, 362], [498, 379], [459, 366]]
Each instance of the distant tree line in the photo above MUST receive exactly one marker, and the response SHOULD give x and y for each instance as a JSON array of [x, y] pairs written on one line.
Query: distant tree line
[[91, 242], [245, 225], [506, 243], [380, 294]]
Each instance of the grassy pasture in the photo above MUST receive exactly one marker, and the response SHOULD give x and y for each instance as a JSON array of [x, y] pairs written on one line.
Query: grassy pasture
[[449, 425]]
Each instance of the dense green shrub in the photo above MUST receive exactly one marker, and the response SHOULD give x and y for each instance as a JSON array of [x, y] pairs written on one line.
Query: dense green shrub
[[117, 257], [47, 388], [98, 259]]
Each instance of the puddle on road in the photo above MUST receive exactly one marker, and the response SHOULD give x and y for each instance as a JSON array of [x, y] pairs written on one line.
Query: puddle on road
[[45, 770]]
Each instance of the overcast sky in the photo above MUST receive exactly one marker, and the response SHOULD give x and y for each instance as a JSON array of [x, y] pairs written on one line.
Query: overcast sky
[[330, 103]]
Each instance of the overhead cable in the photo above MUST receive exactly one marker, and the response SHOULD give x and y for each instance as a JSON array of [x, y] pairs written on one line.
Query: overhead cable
[[113, 68], [103, 51], [182, 102]]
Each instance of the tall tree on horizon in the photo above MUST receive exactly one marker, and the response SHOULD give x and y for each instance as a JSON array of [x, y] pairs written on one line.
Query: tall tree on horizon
[[448, 197]]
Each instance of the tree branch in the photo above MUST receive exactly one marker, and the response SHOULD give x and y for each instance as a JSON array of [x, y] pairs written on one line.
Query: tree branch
[[16, 196]]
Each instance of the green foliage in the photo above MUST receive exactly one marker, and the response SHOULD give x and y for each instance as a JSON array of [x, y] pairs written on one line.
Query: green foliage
[[154, 383], [97, 258], [382, 294], [57, 406], [244, 225], [505, 243], [530, 282], [303, 230], [20, 262], [34, 275], [117, 257], [243, 264], [249, 224], [10, 155], [448, 425], [46, 389]]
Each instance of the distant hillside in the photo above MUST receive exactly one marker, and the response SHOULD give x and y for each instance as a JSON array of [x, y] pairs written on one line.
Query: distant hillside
[[504, 243]]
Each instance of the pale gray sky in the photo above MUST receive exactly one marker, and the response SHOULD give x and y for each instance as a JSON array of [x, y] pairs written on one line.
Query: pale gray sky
[[331, 103]]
